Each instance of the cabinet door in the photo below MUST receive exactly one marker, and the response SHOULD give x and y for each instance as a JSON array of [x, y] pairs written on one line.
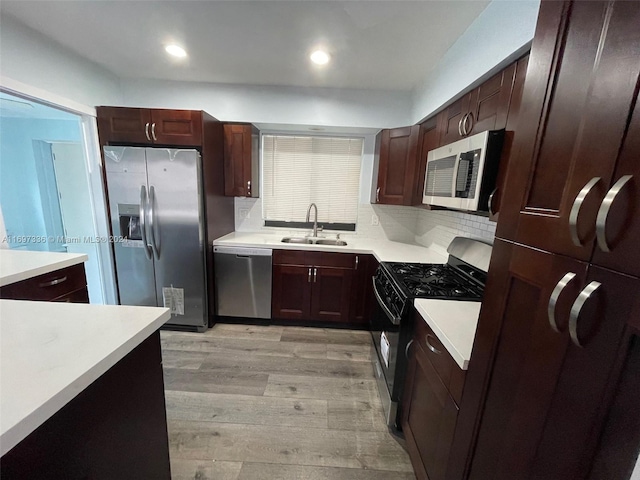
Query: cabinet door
[[176, 127], [429, 418], [331, 294], [237, 160], [450, 120], [124, 125], [489, 105], [398, 152], [48, 286], [544, 403], [618, 221], [512, 123], [578, 92], [291, 297]]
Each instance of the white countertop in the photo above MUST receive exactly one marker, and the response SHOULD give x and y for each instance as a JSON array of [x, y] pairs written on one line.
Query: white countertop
[[50, 352], [454, 323], [18, 265], [383, 250]]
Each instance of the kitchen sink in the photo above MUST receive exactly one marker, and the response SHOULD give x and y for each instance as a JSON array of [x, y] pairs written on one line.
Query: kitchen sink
[[297, 240], [329, 241], [312, 241]]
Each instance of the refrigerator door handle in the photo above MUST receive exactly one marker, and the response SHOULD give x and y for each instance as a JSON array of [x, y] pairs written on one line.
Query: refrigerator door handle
[[143, 221], [152, 221]]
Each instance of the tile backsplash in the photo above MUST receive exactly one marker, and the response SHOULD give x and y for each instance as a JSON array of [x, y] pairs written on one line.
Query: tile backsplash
[[398, 223]]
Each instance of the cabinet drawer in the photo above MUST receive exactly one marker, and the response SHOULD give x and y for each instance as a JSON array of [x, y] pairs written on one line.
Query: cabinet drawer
[[79, 296], [330, 259], [48, 286], [288, 257], [435, 351]]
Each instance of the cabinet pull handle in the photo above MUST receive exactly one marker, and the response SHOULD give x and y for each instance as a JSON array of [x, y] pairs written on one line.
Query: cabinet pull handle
[[603, 212], [55, 281], [309, 277], [490, 202], [357, 261], [585, 294], [406, 349], [378, 194], [146, 131], [575, 210], [315, 275], [153, 131], [460, 127], [248, 188], [468, 116], [553, 299], [429, 346]]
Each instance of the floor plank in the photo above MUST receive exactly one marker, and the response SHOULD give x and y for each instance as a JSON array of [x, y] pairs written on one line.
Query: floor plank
[[236, 382], [331, 336], [188, 360], [249, 346], [356, 415], [306, 386], [245, 409], [352, 353], [279, 365], [204, 470], [286, 445], [261, 471]]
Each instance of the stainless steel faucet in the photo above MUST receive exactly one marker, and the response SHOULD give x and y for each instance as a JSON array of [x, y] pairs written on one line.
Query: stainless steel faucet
[[315, 219]]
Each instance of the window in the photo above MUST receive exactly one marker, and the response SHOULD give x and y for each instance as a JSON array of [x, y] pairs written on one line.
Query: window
[[298, 171]]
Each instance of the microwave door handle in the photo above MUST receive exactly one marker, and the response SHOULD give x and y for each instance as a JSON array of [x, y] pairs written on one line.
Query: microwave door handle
[[456, 166]]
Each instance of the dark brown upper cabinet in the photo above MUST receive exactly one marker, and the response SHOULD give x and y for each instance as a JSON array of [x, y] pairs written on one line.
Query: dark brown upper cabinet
[[397, 150], [563, 179], [495, 199], [484, 108], [241, 160], [143, 126]]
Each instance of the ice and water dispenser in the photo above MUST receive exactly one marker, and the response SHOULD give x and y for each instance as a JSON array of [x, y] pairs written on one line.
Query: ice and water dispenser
[[129, 220]]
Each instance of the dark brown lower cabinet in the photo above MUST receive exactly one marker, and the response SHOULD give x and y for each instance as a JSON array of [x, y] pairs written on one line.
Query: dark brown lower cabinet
[[315, 286], [429, 416], [559, 327], [67, 284]]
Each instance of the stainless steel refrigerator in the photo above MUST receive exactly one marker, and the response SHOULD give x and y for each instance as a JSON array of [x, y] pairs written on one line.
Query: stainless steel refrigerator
[[157, 213]]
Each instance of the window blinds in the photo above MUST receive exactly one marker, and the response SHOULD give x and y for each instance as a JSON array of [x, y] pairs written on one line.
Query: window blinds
[[300, 170]]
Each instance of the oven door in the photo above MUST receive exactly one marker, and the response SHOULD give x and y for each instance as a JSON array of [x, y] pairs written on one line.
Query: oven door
[[385, 330]]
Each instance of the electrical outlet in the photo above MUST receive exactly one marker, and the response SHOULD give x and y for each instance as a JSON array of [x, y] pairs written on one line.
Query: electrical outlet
[[375, 220], [244, 213]]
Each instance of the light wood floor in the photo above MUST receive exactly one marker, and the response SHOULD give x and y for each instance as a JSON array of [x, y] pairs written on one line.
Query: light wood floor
[[269, 402]]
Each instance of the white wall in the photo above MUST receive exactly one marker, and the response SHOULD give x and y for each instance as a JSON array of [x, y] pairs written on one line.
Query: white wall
[[28, 57], [277, 105], [503, 28]]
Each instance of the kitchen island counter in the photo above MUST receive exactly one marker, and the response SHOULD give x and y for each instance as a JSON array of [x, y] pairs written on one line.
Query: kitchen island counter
[[18, 265], [51, 352], [383, 250]]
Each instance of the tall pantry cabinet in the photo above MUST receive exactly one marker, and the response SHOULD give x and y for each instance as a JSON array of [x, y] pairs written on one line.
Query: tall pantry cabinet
[[552, 387]]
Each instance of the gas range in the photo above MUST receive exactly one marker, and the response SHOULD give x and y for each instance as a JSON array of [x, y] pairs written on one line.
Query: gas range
[[395, 285]]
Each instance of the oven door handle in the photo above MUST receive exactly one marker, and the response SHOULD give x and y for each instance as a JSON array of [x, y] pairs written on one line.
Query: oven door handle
[[395, 320]]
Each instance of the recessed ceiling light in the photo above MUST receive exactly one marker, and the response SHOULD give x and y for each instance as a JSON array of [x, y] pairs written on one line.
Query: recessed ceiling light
[[176, 51], [320, 57]]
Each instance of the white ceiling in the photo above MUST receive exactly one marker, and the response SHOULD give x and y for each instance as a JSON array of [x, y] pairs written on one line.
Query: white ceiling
[[374, 44]]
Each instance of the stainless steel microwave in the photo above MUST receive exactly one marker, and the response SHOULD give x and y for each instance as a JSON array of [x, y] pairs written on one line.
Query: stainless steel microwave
[[462, 175]]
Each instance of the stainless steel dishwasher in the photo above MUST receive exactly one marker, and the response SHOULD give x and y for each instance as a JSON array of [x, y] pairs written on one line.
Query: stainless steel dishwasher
[[243, 281]]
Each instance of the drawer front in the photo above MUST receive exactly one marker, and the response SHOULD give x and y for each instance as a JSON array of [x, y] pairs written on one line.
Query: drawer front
[[289, 257], [330, 259], [79, 296], [435, 351], [48, 286]]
